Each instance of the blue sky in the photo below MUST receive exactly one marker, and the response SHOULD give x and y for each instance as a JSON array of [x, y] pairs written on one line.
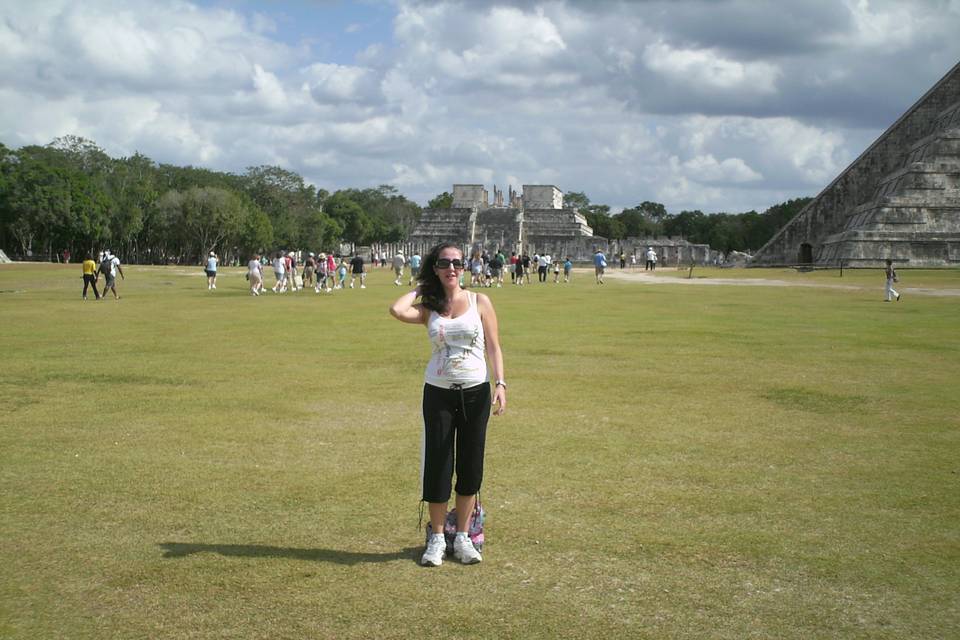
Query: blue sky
[[336, 31], [717, 105]]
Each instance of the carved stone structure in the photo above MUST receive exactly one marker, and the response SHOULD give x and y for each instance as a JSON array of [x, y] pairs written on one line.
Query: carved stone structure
[[671, 252], [899, 200], [535, 221]]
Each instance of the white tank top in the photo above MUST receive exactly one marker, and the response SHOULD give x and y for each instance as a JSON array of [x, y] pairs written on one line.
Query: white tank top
[[458, 349]]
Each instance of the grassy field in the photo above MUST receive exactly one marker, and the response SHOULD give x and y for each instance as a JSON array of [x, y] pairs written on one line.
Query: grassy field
[[675, 462]]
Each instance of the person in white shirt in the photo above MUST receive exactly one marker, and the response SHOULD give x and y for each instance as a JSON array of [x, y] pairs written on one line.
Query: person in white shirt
[[110, 267], [280, 271], [211, 270], [651, 256], [255, 275], [462, 328], [398, 262]]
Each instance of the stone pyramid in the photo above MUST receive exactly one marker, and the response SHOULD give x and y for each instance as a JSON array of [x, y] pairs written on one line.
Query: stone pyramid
[[899, 200]]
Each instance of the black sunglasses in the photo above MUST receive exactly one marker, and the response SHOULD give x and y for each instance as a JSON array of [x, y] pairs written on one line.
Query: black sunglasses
[[445, 263]]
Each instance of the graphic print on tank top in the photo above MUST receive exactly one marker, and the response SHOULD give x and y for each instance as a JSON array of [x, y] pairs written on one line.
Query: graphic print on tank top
[[456, 346], [458, 349]]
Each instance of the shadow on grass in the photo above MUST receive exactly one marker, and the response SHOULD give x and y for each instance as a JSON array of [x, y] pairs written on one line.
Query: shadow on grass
[[183, 549]]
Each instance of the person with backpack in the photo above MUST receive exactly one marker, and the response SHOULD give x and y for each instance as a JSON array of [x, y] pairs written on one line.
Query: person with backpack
[[462, 328], [110, 267]]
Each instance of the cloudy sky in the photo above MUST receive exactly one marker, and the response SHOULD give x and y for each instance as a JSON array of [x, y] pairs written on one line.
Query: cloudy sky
[[714, 105]]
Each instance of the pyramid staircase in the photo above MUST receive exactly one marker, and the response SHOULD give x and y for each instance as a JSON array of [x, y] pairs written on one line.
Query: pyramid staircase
[[914, 215]]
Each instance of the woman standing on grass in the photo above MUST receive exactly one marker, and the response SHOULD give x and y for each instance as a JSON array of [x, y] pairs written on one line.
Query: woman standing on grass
[[462, 327]]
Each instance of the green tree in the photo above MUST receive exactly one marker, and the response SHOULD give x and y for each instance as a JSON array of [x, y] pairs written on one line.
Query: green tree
[[599, 219], [576, 200], [352, 218], [214, 216], [441, 201]]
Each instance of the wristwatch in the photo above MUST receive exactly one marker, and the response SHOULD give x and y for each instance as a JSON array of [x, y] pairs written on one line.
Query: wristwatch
[[501, 383]]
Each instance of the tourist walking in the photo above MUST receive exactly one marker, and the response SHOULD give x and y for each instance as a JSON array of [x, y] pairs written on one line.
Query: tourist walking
[[496, 269], [290, 262], [542, 267], [415, 260], [211, 270], [331, 272], [462, 328], [255, 275], [599, 265], [476, 270], [651, 257], [358, 271], [891, 274], [398, 262], [110, 267], [567, 269], [341, 274], [309, 267], [320, 272], [280, 272], [90, 276]]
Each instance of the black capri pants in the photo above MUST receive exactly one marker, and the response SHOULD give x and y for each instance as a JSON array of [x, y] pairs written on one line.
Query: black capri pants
[[454, 435]]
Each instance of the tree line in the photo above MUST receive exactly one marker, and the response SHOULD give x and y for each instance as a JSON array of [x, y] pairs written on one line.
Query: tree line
[[722, 231], [71, 196]]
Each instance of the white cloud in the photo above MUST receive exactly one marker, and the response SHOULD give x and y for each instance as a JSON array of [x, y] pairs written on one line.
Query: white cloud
[[704, 67], [891, 26], [341, 83], [625, 101], [708, 169]]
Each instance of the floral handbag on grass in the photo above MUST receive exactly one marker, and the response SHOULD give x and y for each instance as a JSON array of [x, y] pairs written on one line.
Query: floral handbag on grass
[[474, 530]]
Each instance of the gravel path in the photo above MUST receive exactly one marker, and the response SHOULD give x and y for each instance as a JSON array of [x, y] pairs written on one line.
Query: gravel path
[[644, 278]]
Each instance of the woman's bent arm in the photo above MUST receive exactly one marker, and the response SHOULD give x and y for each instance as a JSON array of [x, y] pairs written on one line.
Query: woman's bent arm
[[405, 311]]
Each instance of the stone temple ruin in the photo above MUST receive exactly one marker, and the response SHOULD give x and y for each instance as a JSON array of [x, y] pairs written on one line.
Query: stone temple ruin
[[899, 200], [534, 221]]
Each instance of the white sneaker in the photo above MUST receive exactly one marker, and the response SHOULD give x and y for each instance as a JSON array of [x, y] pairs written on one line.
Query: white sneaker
[[464, 550], [436, 547], [363, 286], [329, 289], [351, 285]]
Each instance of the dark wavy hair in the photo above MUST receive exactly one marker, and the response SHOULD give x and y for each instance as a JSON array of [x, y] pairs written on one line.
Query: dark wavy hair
[[432, 294]]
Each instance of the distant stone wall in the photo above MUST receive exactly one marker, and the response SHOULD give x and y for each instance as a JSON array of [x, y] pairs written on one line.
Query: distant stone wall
[[498, 229], [579, 249], [444, 225], [671, 251], [542, 196], [468, 196], [811, 237]]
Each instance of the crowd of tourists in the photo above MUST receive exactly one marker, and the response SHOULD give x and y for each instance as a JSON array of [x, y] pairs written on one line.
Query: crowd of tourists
[[328, 272], [322, 272]]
